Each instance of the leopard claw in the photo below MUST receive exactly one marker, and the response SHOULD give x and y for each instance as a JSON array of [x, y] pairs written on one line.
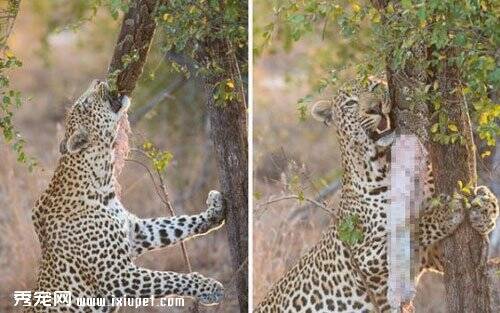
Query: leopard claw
[[483, 210]]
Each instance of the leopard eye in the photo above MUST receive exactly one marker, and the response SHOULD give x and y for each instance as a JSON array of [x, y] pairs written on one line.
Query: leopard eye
[[349, 103]]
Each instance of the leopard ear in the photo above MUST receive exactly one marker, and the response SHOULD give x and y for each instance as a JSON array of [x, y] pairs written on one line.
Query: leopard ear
[[322, 111], [62, 146], [77, 141]]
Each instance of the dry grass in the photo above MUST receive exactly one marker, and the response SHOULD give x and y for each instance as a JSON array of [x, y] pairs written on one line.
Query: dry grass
[[281, 234]]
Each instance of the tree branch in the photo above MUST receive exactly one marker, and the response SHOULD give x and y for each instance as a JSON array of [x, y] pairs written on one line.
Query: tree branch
[[165, 199], [8, 14], [296, 197], [323, 194], [135, 37], [163, 95]]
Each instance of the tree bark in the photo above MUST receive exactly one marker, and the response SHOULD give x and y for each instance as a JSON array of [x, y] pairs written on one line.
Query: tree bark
[[228, 123], [468, 285], [135, 36], [229, 135]]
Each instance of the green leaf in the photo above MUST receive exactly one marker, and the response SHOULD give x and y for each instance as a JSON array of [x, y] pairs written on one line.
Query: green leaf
[[350, 230], [407, 5]]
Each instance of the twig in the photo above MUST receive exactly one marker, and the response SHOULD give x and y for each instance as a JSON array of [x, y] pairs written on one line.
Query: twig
[[166, 202], [168, 205], [165, 199], [469, 136], [167, 93], [323, 194], [158, 193], [235, 60], [7, 18], [296, 197]]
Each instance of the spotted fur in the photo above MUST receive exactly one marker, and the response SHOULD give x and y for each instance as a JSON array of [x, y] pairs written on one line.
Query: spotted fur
[[88, 239], [333, 277]]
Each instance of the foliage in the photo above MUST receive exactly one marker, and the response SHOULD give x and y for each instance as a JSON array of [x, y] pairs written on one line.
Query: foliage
[[349, 230], [463, 34], [213, 33], [225, 92], [159, 159], [11, 100], [72, 14], [465, 189]]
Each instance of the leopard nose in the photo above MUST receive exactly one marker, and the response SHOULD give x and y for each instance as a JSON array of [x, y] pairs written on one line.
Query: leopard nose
[[375, 109]]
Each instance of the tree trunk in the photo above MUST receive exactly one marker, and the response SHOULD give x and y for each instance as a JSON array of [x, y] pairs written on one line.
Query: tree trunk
[[135, 37], [229, 136], [468, 285], [228, 123], [466, 277]]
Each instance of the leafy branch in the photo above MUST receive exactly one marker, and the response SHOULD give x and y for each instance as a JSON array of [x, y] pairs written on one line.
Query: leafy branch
[[10, 98], [470, 27]]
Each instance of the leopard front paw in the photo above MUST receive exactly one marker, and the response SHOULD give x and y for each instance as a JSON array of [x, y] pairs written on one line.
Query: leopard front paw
[[215, 211], [448, 211], [483, 210], [209, 291], [453, 221], [455, 212]]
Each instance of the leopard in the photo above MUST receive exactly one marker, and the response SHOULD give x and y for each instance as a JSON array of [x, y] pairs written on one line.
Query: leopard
[[340, 276], [89, 240]]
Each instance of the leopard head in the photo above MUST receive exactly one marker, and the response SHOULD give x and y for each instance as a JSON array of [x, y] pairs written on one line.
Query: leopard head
[[92, 121], [362, 114]]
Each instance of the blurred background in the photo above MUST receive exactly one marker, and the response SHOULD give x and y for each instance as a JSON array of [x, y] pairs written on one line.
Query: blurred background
[[294, 154], [63, 46]]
